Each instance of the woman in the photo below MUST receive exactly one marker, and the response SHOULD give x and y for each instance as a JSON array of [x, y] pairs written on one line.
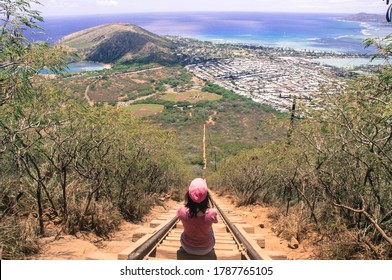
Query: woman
[[197, 218]]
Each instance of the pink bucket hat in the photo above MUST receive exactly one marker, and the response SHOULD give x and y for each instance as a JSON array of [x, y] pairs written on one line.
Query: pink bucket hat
[[198, 190]]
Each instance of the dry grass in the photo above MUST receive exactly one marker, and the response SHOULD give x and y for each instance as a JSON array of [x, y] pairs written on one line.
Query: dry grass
[[102, 218], [335, 242], [142, 110], [192, 96], [18, 237]]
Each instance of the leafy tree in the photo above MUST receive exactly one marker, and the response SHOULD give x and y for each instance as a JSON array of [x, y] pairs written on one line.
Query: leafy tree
[[20, 59], [336, 170], [62, 162], [383, 46]]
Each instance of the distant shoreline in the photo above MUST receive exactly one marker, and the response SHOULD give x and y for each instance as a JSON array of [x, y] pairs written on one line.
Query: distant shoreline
[[329, 32]]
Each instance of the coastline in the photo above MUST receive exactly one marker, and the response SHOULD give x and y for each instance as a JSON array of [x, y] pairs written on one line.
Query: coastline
[[372, 28], [325, 32]]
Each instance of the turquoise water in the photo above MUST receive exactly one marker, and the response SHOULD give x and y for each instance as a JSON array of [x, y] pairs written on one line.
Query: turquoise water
[[82, 66], [326, 32], [349, 62]]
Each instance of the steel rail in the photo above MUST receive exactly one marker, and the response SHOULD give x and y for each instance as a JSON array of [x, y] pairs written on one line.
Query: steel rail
[[243, 242], [151, 243], [146, 248]]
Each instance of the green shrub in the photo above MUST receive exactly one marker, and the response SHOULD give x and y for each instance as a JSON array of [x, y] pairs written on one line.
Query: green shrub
[[106, 84]]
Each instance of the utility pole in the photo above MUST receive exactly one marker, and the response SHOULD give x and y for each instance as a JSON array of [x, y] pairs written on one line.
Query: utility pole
[[389, 12], [204, 153], [292, 118]]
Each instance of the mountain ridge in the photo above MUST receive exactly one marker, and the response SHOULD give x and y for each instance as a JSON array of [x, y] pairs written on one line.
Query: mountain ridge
[[120, 42]]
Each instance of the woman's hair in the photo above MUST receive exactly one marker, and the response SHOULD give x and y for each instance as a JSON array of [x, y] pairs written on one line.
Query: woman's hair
[[194, 207]]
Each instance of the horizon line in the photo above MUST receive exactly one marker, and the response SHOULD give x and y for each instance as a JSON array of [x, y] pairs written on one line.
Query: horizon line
[[178, 12]]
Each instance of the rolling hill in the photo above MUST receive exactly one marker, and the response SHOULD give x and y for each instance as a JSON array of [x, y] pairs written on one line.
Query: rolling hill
[[365, 17], [120, 42]]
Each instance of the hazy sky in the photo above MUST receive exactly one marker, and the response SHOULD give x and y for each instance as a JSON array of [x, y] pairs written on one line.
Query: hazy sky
[[78, 7]]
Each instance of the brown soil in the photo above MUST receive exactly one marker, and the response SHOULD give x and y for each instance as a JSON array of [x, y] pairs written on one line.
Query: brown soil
[[258, 216], [79, 246], [89, 101], [210, 118], [197, 81], [69, 247]]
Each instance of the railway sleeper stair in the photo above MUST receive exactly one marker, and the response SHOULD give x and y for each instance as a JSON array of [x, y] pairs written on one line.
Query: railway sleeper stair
[[168, 247]]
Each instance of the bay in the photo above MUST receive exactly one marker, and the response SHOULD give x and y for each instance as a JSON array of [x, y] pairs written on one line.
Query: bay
[[319, 32], [82, 66]]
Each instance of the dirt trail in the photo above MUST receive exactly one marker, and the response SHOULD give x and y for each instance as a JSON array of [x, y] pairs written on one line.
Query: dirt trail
[[138, 71], [127, 103], [69, 247], [210, 118], [79, 246], [89, 101]]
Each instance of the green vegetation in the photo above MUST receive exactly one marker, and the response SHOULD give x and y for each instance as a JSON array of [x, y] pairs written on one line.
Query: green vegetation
[[126, 66], [237, 123], [121, 43], [19, 58], [332, 175], [211, 87], [106, 84], [66, 167], [182, 78], [125, 85]]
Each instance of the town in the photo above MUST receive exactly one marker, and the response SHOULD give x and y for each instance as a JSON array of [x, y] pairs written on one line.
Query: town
[[271, 76]]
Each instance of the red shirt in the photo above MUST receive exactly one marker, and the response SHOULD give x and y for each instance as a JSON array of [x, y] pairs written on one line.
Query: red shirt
[[197, 230]]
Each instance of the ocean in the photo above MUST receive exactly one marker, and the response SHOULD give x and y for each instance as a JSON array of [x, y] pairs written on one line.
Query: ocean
[[321, 32]]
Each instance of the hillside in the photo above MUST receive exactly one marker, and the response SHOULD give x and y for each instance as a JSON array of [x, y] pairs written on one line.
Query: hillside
[[365, 17], [120, 42]]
